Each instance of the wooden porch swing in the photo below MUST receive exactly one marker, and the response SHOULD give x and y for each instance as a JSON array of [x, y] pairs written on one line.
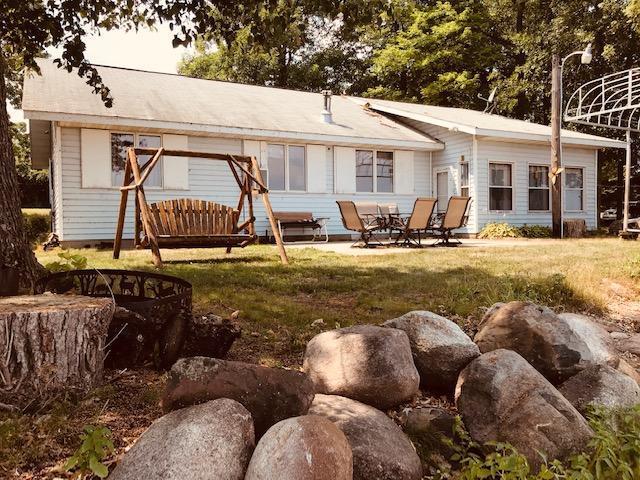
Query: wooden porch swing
[[189, 223]]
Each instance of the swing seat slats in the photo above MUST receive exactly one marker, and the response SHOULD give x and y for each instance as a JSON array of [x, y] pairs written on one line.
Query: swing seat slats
[[195, 223]]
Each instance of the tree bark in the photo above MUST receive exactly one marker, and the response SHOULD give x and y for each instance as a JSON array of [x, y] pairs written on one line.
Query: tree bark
[[15, 250], [50, 343]]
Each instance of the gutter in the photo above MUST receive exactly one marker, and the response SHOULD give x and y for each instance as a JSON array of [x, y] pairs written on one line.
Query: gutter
[[98, 121]]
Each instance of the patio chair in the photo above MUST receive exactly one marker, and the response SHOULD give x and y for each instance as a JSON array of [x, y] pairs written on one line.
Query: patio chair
[[351, 220], [368, 212], [302, 220], [454, 217], [418, 222], [391, 214]]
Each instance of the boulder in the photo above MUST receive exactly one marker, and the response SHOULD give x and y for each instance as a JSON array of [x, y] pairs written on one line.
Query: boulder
[[429, 428], [366, 363], [211, 440], [302, 448], [629, 343], [440, 348], [211, 336], [628, 370], [503, 398], [558, 346], [270, 394], [381, 451], [600, 385]]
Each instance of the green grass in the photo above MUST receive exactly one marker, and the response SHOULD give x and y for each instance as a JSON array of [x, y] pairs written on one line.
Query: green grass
[[346, 289]]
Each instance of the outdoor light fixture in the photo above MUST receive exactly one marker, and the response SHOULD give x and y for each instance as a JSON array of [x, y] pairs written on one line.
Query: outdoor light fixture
[[557, 204], [587, 55]]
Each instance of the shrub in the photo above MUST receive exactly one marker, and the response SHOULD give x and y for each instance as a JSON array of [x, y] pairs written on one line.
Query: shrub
[[535, 231], [68, 261], [612, 454], [499, 230], [37, 226], [95, 447], [504, 230]]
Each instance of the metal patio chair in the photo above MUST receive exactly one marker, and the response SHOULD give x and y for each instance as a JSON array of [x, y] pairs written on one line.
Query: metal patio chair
[[410, 231], [454, 217], [351, 220]]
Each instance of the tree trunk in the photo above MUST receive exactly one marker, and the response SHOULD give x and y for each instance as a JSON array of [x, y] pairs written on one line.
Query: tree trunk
[[15, 250], [50, 343]]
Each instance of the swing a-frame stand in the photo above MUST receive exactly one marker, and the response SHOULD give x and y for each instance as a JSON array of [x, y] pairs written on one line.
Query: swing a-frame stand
[[189, 223]]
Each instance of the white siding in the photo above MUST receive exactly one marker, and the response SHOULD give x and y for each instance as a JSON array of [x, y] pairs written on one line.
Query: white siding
[[457, 145], [90, 214], [522, 155]]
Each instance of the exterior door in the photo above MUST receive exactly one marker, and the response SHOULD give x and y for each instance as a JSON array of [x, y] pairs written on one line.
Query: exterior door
[[442, 190]]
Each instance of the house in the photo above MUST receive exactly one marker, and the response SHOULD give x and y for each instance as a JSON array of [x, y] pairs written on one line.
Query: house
[[312, 151]]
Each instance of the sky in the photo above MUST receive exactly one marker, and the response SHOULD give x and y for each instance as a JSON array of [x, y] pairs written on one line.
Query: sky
[[144, 50]]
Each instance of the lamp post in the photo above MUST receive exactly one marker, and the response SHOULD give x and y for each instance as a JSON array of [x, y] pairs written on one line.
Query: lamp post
[[586, 56]]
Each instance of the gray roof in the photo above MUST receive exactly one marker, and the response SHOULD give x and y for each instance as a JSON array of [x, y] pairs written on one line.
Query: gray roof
[[191, 102], [483, 124], [175, 102]]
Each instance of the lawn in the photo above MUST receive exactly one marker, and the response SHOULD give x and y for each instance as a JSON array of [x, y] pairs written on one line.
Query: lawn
[[280, 302], [278, 305]]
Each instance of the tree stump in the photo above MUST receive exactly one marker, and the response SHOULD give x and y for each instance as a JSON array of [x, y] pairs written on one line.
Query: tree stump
[[575, 228], [51, 342]]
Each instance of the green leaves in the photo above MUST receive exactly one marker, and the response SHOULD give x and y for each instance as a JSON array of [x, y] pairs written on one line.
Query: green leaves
[[95, 447], [68, 261]]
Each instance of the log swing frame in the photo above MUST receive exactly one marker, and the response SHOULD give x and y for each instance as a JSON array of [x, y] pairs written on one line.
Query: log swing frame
[[188, 223]]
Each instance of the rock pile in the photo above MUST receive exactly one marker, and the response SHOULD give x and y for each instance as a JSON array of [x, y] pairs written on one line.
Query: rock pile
[[526, 379]]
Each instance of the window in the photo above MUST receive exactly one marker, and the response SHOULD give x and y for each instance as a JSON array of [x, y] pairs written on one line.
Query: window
[[573, 194], [500, 187], [368, 177], [151, 141], [464, 179], [297, 168], [538, 188], [287, 167], [120, 142], [364, 171], [384, 172], [276, 167]]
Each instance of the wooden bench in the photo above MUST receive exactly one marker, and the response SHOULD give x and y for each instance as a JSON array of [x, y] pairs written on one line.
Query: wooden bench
[[301, 220], [196, 223]]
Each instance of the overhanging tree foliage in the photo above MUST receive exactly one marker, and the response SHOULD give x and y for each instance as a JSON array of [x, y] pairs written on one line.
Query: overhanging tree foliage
[[29, 27]]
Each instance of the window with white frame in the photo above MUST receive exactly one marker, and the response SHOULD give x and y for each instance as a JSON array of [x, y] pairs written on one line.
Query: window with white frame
[[374, 171], [573, 189], [120, 142], [538, 188], [464, 178], [500, 187], [286, 167]]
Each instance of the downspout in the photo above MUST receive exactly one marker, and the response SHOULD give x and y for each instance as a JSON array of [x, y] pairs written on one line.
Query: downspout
[[474, 193]]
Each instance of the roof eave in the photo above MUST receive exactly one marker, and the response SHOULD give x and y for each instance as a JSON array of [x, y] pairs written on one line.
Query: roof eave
[[585, 142], [236, 132], [458, 127]]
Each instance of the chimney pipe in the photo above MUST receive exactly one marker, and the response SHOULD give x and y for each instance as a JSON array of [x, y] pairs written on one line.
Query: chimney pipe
[[326, 112]]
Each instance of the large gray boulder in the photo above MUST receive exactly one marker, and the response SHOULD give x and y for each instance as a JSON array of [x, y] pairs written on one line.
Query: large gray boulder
[[381, 451], [366, 363], [270, 394], [600, 385], [211, 440], [503, 398], [558, 346], [302, 448], [440, 348]]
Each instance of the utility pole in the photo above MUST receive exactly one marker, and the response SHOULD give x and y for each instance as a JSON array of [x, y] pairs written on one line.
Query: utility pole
[[556, 148]]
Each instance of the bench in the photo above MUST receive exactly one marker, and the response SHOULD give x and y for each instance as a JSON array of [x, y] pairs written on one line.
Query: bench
[[196, 223], [301, 220]]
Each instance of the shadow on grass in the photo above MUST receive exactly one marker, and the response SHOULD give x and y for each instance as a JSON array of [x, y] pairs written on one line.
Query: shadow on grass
[[215, 261]]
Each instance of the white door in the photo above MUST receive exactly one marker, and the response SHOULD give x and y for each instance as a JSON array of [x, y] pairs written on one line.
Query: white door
[[442, 192]]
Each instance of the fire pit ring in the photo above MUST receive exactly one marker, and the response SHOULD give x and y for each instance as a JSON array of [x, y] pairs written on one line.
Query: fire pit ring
[[160, 305]]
